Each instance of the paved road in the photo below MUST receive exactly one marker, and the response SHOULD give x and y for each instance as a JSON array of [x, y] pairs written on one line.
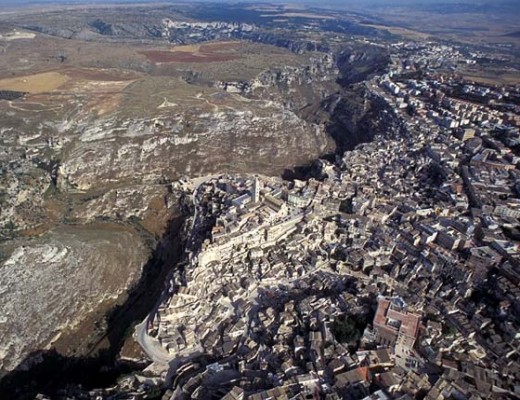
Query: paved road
[[151, 346]]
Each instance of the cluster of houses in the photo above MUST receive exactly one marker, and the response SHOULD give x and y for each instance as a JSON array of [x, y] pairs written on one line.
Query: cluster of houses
[[410, 240]]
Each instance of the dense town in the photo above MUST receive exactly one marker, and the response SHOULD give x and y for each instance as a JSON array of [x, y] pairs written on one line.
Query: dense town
[[392, 273], [395, 276]]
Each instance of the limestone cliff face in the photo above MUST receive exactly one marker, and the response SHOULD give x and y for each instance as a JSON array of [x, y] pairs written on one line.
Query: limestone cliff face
[[329, 92], [87, 167], [321, 67], [358, 63], [294, 45], [240, 139], [48, 284], [116, 167]]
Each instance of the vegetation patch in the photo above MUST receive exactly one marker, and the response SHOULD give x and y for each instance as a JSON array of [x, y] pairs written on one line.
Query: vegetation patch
[[349, 329]]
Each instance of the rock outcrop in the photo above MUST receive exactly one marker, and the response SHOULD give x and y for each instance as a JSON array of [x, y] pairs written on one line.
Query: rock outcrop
[[49, 284]]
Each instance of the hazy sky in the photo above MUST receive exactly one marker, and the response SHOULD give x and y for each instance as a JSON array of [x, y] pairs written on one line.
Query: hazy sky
[[319, 3]]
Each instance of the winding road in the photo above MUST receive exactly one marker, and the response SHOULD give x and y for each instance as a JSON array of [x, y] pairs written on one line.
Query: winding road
[[150, 345]]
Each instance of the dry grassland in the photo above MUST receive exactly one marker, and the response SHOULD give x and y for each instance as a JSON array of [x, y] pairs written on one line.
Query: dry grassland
[[491, 79], [37, 83], [210, 52], [404, 32], [300, 15]]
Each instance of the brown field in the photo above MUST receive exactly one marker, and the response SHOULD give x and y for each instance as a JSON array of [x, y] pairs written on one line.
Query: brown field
[[212, 52], [300, 15], [492, 79], [102, 89], [37, 83], [189, 48], [220, 46], [92, 74], [158, 56], [404, 32], [470, 27]]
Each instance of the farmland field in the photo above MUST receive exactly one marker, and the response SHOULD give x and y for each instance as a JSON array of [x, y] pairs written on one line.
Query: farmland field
[[37, 83], [213, 52]]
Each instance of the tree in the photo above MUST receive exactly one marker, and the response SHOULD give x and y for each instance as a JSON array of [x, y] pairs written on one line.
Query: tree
[[346, 330]]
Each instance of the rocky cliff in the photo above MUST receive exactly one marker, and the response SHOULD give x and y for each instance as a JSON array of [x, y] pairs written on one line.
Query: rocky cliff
[[89, 152]]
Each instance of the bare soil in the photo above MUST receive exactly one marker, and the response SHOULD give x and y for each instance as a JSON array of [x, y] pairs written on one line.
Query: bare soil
[[37, 83], [184, 57]]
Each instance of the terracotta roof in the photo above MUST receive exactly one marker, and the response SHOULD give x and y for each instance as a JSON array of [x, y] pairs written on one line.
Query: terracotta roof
[[380, 317], [387, 379], [409, 322], [360, 374]]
